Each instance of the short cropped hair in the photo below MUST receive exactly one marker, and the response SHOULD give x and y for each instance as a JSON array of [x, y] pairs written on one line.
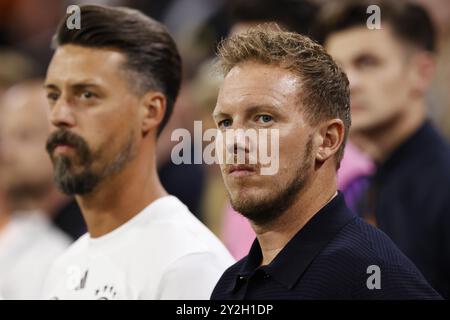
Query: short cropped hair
[[409, 21]]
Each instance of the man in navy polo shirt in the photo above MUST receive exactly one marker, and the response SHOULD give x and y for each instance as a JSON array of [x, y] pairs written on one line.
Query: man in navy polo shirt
[[389, 70], [309, 245]]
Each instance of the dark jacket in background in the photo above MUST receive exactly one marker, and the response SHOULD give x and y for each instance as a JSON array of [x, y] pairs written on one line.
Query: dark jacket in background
[[409, 197]]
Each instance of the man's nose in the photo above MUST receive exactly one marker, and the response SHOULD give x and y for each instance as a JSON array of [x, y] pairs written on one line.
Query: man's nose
[[238, 141], [61, 115]]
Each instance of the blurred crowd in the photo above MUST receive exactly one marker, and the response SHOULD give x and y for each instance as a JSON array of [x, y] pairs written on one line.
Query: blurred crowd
[[37, 222]]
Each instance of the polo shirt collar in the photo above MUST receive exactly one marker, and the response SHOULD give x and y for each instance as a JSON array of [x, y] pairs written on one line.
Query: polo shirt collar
[[293, 260]]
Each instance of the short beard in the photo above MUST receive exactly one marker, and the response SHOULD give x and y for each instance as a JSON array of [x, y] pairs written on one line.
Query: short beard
[[87, 180], [264, 211], [71, 184]]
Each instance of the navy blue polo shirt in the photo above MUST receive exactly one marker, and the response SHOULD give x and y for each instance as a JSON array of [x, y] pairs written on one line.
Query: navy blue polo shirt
[[409, 197], [331, 257]]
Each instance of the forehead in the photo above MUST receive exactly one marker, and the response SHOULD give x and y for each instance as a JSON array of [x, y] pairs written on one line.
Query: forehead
[[73, 63], [349, 43], [252, 83]]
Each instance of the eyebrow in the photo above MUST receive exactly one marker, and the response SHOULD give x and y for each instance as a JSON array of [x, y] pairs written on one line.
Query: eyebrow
[[76, 86], [218, 114], [50, 86], [250, 109], [261, 106]]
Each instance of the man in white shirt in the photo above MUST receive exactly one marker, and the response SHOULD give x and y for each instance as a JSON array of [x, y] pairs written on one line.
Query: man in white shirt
[[29, 242], [111, 86]]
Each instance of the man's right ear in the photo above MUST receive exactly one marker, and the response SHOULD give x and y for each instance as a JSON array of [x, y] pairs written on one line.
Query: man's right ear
[[152, 110], [423, 71]]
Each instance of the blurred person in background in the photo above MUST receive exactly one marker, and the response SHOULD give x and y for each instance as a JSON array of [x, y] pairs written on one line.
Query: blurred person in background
[[26, 28], [15, 68], [390, 70], [29, 242], [439, 95]]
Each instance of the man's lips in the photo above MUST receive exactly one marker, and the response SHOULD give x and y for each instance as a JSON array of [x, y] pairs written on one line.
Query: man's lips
[[63, 148], [241, 170]]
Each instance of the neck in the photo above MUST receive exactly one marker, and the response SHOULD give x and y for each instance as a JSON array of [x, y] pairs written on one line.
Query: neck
[[379, 143], [119, 198], [274, 236]]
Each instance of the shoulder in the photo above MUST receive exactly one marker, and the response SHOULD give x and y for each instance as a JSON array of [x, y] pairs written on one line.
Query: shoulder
[[54, 240], [175, 232], [361, 253], [73, 251], [198, 273], [361, 242]]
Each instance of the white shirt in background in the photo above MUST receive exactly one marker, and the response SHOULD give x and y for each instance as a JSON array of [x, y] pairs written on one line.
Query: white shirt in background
[[29, 244], [163, 252]]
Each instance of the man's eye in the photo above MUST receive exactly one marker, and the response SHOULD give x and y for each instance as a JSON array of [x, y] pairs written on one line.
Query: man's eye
[[366, 61], [52, 96], [264, 118], [88, 95], [224, 123]]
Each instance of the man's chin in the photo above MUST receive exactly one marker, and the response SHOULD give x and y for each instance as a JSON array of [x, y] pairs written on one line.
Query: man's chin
[[250, 204], [246, 195], [67, 160], [71, 182], [258, 212]]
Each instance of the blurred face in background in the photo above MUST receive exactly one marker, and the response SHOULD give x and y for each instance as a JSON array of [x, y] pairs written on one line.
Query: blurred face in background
[[381, 72], [94, 115], [24, 165]]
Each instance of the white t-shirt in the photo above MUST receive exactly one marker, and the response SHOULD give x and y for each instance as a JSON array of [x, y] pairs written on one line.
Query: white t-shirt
[[163, 252], [29, 244]]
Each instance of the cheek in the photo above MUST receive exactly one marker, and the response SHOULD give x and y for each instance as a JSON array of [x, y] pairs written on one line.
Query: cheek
[[102, 129], [292, 147], [389, 85], [113, 141]]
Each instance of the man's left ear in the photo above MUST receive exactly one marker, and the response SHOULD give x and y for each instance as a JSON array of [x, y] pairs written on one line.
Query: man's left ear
[[329, 138], [152, 110]]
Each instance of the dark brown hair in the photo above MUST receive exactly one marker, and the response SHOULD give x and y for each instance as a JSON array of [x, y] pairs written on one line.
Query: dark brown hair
[[409, 21], [153, 60]]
